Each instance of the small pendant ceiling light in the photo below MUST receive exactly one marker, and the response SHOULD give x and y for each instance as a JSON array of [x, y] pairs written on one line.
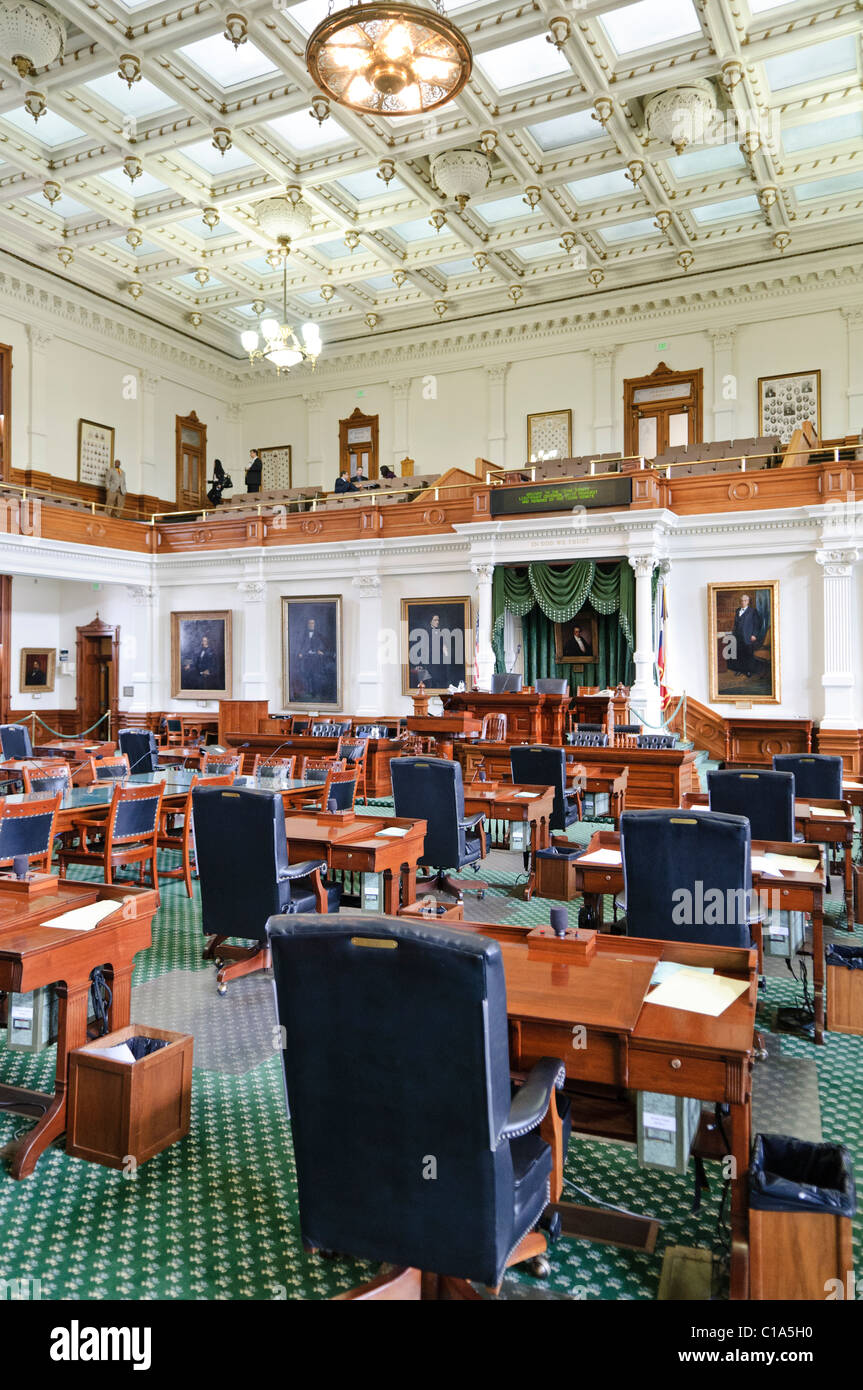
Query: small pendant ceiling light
[[388, 58], [281, 346]]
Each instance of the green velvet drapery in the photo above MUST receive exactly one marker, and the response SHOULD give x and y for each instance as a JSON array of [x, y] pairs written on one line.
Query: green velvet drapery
[[542, 595]]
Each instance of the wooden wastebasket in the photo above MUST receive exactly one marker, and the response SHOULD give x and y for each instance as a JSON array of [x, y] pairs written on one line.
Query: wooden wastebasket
[[555, 875], [121, 1110], [844, 990]]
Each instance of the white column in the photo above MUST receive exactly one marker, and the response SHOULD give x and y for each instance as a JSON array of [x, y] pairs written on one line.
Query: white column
[[253, 672], [644, 695], [484, 573], [37, 454], [401, 448], [496, 395], [603, 400], [839, 637], [139, 656], [149, 483], [854, 328], [315, 466], [724, 384], [365, 695]]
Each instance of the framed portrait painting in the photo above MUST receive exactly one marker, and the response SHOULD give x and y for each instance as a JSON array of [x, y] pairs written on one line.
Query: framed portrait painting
[[784, 402], [37, 669], [549, 435], [436, 643], [312, 652], [576, 642], [743, 623], [201, 656]]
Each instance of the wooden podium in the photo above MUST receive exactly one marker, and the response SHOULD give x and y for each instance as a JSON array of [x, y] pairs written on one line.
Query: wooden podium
[[530, 718]]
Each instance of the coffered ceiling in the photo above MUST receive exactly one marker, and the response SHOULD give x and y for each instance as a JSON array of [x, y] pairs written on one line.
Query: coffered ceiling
[[781, 171]]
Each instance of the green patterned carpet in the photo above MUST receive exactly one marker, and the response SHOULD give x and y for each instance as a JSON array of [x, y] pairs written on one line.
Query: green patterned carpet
[[216, 1215]]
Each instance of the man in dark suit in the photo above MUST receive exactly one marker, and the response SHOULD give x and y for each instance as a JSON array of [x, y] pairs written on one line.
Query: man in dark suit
[[747, 633], [344, 484], [253, 472], [579, 643]]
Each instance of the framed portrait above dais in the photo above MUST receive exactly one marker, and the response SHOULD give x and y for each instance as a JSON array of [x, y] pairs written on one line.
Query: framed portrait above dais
[[37, 669], [576, 642], [436, 638], [312, 652], [743, 622], [201, 656]]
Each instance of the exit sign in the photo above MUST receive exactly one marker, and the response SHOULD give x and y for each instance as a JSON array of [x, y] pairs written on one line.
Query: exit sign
[[660, 347]]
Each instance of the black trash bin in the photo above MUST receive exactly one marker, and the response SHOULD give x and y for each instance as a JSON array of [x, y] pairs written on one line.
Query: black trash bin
[[844, 989], [801, 1201]]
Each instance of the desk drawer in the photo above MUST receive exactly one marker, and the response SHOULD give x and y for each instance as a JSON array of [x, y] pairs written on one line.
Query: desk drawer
[[676, 1074], [599, 1060]]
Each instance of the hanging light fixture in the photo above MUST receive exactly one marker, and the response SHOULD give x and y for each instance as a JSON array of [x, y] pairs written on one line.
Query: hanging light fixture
[[281, 346], [31, 35], [461, 174], [283, 218], [388, 58]]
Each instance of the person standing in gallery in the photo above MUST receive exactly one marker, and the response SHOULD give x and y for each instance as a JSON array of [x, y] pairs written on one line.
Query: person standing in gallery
[[115, 489]]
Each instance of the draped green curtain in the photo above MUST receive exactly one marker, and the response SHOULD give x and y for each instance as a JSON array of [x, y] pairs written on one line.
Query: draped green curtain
[[543, 595]]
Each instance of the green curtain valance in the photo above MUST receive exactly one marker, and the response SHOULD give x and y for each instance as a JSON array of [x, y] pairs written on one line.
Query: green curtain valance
[[561, 593]]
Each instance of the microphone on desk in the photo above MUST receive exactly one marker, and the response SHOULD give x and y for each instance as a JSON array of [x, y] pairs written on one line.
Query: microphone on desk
[[559, 919], [515, 659]]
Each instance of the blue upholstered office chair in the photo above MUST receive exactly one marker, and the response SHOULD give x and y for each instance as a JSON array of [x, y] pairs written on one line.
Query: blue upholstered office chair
[[765, 798], [587, 738], [15, 741], [687, 876], [538, 765], [660, 742], [430, 1076], [506, 682], [141, 749], [551, 685], [431, 789], [815, 774], [242, 855]]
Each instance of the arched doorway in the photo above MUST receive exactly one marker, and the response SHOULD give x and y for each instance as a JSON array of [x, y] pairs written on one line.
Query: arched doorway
[[98, 650]]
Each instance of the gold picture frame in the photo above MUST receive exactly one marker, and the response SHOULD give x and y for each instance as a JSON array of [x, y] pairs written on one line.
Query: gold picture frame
[[549, 432], [95, 452], [37, 670], [312, 669], [436, 644], [278, 467], [582, 652], [784, 402], [744, 650], [193, 636]]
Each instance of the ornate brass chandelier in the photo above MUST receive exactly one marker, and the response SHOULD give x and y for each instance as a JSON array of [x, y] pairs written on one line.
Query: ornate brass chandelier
[[281, 346], [387, 58]]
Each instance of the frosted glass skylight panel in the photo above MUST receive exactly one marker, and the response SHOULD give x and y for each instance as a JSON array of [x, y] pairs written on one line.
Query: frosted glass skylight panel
[[202, 154], [379, 282], [260, 265], [333, 250], [302, 132], [708, 160], [503, 209], [143, 186], [528, 60], [601, 186], [626, 231], [828, 188], [465, 266], [368, 185], [806, 65], [308, 15], [141, 99], [50, 129], [566, 130], [226, 65], [199, 228], [649, 23], [759, 6], [415, 230], [541, 251], [732, 207], [828, 132], [63, 206]]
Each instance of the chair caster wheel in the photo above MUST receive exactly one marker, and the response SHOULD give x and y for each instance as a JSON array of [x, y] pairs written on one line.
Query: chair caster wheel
[[221, 990], [481, 894], [540, 1267], [218, 962]]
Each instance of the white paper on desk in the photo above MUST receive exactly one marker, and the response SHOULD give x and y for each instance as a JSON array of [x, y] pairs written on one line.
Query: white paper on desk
[[84, 918], [698, 993], [853, 786], [664, 969], [609, 857], [820, 812], [763, 864], [394, 832], [526, 796], [792, 863], [119, 1053]]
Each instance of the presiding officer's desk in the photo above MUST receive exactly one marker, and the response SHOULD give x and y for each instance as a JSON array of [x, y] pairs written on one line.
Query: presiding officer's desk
[[594, 1016]]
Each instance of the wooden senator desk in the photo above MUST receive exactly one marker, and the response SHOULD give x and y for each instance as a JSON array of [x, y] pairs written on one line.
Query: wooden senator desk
[[191, 756], [74, 751], [793, 891], [354, 844], [96, 797], [657, 777], [380, 750], [32, 956], [635, 1045], [530, 718], [527, 805], [752, 742], [601, 781]]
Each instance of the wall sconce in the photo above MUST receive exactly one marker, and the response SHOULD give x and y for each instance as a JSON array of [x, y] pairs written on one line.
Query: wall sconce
[[437, 219], [352, 240], [386, 171], [210, 218], [221, 139], [129, 68], [327, 292], [373, 320], [399, 278], [560, 31], [596, 277], [440, 307], [488, 141], [133, 167], [480, 260], [51, 191], [532, 195], [134, 238], [685, 260]]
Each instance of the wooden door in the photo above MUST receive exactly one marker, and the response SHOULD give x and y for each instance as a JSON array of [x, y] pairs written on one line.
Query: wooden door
[[97, 654], [358, 444], [662, 411], [191, 447]]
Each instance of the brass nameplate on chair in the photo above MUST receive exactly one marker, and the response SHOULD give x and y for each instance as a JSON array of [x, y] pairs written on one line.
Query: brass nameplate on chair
[[30, 887], [577, 947], [375, 942]]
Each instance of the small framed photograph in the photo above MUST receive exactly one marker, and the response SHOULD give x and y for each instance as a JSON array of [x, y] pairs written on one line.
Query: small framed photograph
[[312, 652], [37, 670], [784, 402], [743, 621], [436, 642], [95, 452], [549, 435], [576, 643], [201, 656], [277, 473]]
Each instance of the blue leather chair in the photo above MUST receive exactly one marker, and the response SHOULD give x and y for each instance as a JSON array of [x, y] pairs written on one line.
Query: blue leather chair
[[539, 765], [506, 682], [765, 798], [687, 876], [431, 789], [660, 742], [141, 749], [815, 774], [242, 855], [551, 685], [15, 741], [429, 1082]]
